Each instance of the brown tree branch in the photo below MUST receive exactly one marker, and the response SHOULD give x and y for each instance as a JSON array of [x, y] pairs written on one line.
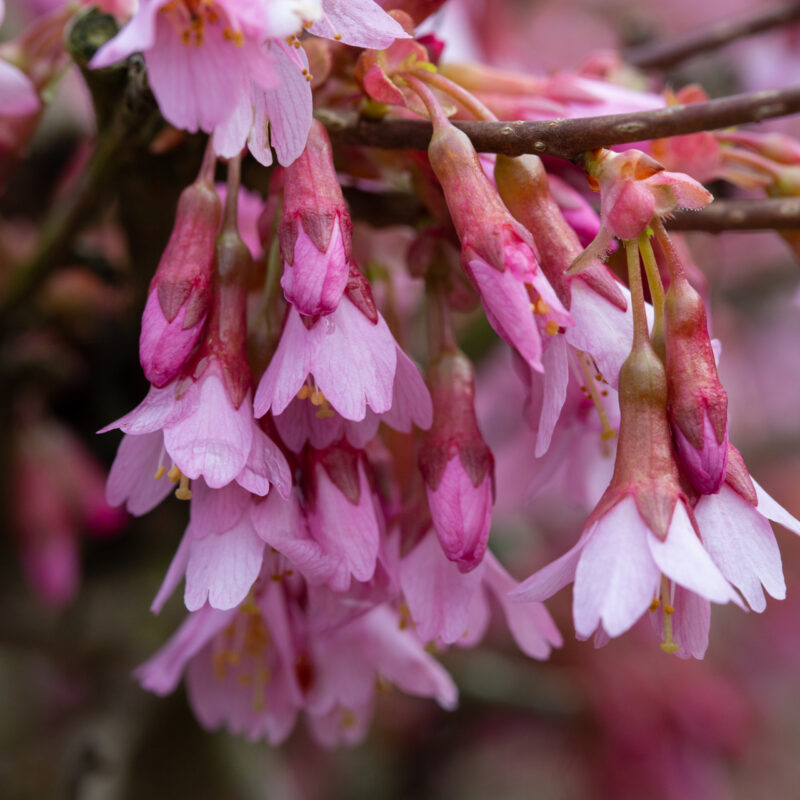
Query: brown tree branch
[[665, 54], [567, 138], [780, 213]]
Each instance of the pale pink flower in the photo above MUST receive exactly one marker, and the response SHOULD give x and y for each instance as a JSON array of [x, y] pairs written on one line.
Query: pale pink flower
[[617, 567], [736, 532], [447, 606], [347, 359], [18, 95], [220, 554], [203, 434], [254, 668], [336, 538]]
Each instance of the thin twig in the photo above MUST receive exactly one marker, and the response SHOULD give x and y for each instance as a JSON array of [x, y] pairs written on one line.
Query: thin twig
[[567, 138], [665, 54], [780, 213]]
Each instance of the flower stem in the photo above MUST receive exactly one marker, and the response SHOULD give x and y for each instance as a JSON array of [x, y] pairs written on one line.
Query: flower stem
[[458, 93], [655, 284], [640, 332]]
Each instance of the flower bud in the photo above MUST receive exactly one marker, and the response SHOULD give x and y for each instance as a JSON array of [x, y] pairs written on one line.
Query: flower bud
[[697, 404], [315, 230], [497, 252], [180, 291], [456, 463]]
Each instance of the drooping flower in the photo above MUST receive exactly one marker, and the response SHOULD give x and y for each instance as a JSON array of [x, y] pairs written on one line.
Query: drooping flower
[[290, 648]]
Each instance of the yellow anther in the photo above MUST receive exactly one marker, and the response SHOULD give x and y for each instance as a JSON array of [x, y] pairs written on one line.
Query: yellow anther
[[304, 392], [431, 648], [325, 412], [607, 435], [668, 609], [541, 307], [383, 685], [183, 492], [237, 37], [309, 77], [551, 329], [654, 604], [349, 719], [186, 37], [296, 44], [317, 398], [160, 472], [174, 474], [337, 36]]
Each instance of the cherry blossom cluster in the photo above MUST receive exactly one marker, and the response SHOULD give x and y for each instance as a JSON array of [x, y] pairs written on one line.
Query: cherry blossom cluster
[[341, 499]]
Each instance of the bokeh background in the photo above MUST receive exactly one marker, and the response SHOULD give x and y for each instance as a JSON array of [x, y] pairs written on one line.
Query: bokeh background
[[625, 721]]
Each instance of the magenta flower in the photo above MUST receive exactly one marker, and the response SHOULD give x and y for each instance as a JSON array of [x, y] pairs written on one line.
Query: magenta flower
[[180, 292], [315, 230], [456, 464]]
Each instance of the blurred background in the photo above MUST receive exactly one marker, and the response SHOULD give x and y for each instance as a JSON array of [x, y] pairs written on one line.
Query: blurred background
[[77, 578]]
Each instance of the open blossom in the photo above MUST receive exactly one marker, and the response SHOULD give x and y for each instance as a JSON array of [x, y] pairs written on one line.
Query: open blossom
[[447, 606], [642, 540], [224, 67], [253, 669], [346, 361]]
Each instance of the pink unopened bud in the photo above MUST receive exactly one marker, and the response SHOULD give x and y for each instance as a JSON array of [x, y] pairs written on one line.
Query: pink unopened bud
[[698, 404], [456, 463], [645, 465], [315, 230], [180, 291], [497, 252]]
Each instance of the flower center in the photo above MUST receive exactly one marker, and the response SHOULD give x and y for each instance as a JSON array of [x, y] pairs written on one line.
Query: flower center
[[183, 492], [590, 389], [310, 391], [666, 601]]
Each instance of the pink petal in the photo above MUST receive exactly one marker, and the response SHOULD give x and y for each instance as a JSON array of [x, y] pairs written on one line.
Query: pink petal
[[741, 543], [164, 346], [216, 510], [136, 37], [348, 533], [399, 656], [222, 567], [556, 378], [616, 579], [265, 465], [774, 511], [315, 281], [411, 400], [131, 479], [552, 578], [158, 409], [162, 672], [531, 625], [690, 623], [215, 440], [674, 190], [175, 573], [601, 329], [299, 423], [361, 23], [288, 108], [17, 94], [681, 558], [461, 514], [355, 361], [437, 593], [508, 309]]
